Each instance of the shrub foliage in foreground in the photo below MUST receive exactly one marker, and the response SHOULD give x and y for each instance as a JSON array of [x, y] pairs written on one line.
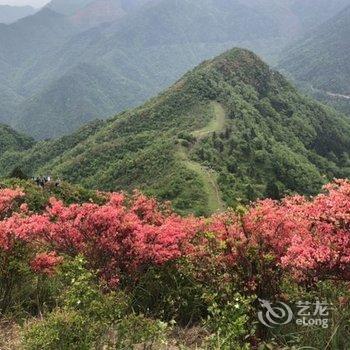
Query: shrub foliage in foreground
[[72, 264]]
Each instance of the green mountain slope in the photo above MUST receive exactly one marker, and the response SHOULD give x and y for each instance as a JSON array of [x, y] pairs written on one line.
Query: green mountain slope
[[32, 36], [322, 57], [81, 95], [146, 51], [148, 46], [229, 131], [22, 44], [10, 140]]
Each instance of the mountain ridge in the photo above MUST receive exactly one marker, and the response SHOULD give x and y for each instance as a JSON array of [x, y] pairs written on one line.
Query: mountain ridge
[[273, 140], [321, 58], [144, 52], [10, 14]]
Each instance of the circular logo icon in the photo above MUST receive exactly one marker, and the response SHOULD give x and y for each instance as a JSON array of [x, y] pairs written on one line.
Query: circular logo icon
[[274, 315]]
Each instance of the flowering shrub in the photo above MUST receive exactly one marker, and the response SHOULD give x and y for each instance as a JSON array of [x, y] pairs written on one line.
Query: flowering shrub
[[45, 263], [123, 237], [321, 248], [116, 238], [7, 200], [185, 269], [311, 238]]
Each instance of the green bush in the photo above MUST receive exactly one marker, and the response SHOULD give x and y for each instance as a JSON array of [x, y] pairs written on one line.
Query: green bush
[[170, 293], [61, 329], [65, 329], [230, 323], [17, 282], [88, 318], [138, 330], [336, 336]]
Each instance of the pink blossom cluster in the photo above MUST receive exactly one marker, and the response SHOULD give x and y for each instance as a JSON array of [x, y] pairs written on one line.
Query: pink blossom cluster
[[309, 238]]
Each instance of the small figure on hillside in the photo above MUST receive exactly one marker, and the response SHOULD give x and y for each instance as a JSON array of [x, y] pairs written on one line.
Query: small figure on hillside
[[40, 181]]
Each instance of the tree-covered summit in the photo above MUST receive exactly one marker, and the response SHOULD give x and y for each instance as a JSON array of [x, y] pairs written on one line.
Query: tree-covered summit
[[230, 131]]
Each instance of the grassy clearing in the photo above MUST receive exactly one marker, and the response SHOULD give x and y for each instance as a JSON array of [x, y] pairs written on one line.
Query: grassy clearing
[[216, 124]]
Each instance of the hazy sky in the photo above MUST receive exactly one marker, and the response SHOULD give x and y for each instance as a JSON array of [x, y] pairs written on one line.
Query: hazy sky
[[35, 3]]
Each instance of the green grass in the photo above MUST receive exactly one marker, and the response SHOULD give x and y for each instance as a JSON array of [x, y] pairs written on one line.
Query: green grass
[[216, 124], [209, 179], [207, 176]]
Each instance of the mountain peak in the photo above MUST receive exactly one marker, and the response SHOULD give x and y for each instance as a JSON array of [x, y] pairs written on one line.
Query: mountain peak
[[240, 66], [231, 126], [99, 11], [237, 59]]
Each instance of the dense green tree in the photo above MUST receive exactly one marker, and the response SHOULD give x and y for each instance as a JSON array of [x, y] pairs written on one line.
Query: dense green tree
[[17, 173]]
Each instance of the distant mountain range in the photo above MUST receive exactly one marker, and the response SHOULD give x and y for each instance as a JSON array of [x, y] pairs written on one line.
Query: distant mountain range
[[320, 63], [321, 58], [10, 14], [75, 61], [230, 131]]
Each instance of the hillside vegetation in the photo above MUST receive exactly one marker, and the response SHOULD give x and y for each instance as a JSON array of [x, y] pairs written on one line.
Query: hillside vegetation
[[271, 141], [322, 57], [84, 270], [10, 140], [75, 61]]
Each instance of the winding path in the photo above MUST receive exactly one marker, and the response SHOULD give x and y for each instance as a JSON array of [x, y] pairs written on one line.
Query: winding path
[[208, 176]]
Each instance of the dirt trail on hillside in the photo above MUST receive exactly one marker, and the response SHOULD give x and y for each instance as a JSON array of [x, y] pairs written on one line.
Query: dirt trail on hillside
[[208, 176]]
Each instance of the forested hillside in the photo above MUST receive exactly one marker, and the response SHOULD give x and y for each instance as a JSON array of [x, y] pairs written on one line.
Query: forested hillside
[[76, 61], [22, 45], [322, 57], [230, 131], [10, 140], [313, 13]]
